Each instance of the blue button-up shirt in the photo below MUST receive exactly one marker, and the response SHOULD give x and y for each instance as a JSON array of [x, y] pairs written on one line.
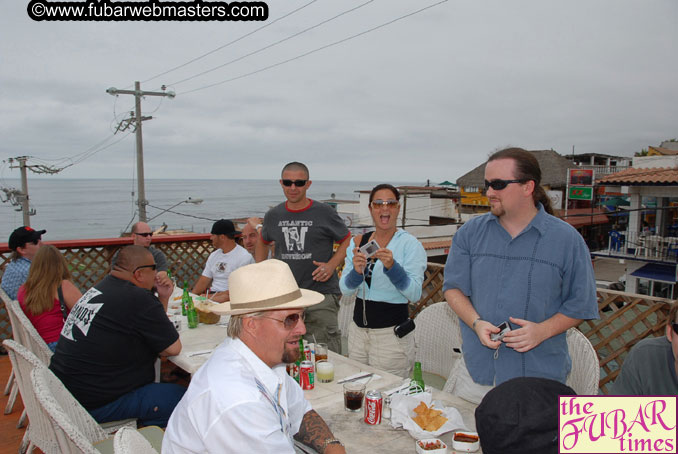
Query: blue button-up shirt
[[16, 273], [544, 270]]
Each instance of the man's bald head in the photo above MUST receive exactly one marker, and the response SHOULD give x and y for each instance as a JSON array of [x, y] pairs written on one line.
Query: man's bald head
[[131, 257]]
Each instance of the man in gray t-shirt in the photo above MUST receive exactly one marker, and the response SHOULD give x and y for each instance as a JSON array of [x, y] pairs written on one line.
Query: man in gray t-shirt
[[142, 235], [304, 232]]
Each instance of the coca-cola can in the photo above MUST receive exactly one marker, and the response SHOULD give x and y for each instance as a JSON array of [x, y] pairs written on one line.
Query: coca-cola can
[[373, 406], [293, 371], [306, 378], [308, 355]]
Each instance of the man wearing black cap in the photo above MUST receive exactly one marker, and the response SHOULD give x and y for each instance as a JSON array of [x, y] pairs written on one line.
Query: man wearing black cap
[[227, 257], [25, 243]]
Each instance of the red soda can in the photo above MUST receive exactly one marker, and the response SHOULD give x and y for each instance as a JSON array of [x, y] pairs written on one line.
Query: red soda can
[[306, 378], [307, 352], [373, 406]]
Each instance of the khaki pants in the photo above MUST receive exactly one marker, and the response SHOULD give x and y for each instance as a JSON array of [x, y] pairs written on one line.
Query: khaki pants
[[322, 325], [462, 385], [382, 349]]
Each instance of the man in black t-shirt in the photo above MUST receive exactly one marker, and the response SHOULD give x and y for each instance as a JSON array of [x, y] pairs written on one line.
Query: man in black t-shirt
[[110, 342]]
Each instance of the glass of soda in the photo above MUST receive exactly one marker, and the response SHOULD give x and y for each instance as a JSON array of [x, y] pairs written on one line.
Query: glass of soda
[[320, 352], [353, 396]]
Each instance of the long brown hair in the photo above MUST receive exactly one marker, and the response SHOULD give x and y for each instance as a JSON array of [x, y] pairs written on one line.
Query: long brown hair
[[527, 168], [48, 270]]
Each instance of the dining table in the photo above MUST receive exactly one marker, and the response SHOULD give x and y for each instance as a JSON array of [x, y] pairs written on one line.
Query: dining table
[[327, 399]]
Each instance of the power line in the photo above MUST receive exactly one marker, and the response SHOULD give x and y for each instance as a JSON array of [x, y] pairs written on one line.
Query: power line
[[350, 10], [318, 49], [229, 43]]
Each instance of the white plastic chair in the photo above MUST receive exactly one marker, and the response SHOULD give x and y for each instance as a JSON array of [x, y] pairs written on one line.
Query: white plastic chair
[[131, 441], [584, 377], [345, 316], [436, 335]]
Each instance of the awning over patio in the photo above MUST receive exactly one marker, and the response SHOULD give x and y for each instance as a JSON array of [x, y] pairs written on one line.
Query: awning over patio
[[657, 272]]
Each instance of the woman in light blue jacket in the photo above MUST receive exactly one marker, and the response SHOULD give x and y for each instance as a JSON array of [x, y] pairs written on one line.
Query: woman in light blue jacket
[[384, 284]]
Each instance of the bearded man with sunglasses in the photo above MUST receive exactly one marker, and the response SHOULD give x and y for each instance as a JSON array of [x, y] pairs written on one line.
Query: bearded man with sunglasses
[[521, 265], [304, 232], [651, 367], [111, 340], [242, 399]]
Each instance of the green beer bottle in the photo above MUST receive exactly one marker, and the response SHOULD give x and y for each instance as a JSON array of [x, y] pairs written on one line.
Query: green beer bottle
[[417, 377], [191, 314], [184, 299]]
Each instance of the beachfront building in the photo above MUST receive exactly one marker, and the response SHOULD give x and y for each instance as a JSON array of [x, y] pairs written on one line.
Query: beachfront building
[[648, 242]]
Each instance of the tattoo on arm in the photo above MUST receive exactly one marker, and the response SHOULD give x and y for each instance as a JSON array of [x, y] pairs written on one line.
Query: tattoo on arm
[[313, 431]]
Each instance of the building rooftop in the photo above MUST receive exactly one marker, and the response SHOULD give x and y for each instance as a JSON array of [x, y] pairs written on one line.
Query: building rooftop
[[661, 176]]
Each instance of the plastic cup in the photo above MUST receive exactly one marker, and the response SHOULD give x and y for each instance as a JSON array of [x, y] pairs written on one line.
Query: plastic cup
[[324, 371], [353, 396]]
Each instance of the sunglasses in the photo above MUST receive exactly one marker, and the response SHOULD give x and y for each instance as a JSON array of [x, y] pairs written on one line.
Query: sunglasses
[[290, 321], [297, 183], [380, 203], [675, 327], [153, 267], [498, 185], [145, 234]]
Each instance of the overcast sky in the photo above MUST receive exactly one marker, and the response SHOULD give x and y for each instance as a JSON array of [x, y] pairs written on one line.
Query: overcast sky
[[427, 97]]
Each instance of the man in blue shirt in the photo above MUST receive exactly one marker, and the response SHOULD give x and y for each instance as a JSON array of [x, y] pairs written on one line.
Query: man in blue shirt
[[521, 265], [24, 242]]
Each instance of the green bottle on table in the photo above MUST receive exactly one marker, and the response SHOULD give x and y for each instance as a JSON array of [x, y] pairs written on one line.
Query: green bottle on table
[[417, 377], [184, 299], [191, 314]]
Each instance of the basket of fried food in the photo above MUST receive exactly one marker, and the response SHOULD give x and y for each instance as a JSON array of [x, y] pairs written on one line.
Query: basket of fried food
[[205, 314], [423, 418]]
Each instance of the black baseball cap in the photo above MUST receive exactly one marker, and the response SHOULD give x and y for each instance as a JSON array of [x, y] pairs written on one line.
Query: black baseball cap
[[520, 416], [23, 235], [224, 227]]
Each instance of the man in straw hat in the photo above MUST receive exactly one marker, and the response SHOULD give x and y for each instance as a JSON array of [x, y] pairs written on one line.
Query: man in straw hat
[[242, 399]]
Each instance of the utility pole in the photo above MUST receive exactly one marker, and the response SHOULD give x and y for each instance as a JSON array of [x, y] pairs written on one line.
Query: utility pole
[[22, 197], [138, 93]]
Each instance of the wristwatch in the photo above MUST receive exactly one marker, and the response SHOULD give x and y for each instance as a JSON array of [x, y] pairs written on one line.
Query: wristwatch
[[473, 327], [331, 441]]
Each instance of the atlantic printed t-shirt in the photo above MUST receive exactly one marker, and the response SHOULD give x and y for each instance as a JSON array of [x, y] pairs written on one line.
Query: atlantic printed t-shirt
[[304, 236], [110, 341]]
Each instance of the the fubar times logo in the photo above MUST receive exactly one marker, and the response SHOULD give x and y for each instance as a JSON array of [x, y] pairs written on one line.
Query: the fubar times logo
[[617, 424]]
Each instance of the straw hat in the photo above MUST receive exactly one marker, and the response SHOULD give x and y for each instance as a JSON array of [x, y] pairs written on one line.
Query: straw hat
[[265, 286]]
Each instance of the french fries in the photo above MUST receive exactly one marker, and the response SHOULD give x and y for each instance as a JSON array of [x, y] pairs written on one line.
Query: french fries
[[427, 418]]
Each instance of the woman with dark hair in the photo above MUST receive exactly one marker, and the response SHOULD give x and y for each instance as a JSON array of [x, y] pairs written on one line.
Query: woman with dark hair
[[384, 284], [48, 294]]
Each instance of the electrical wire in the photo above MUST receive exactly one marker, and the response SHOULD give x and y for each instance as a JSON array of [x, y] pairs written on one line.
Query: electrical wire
[[230, 43], [318, 49], [343, 13]]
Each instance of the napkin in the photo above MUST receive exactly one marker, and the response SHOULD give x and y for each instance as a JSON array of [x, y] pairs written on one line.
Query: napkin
[[402, 410]]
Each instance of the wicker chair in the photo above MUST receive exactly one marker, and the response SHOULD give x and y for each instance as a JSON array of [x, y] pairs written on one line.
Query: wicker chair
[[39, 431], [584, 377], [25, 333], [345, 316], [130, 441], [11, 387], [436, 335]]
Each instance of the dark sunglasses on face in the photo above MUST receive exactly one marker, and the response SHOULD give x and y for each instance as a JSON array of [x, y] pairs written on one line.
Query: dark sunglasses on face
[[498, 185], [290, 321], [675, 327], [146, 234], [297, 183], [380, 203], [153, 267]]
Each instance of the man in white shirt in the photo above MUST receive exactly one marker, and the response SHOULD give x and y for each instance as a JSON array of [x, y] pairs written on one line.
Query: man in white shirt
[[227, 257], [242, 399]]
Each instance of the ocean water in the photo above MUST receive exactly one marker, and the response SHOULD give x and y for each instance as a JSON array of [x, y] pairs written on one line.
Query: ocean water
[[103, 208]]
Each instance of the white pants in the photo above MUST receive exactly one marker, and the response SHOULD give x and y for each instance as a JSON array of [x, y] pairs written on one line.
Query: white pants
[[382, 349], [461, 384]]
